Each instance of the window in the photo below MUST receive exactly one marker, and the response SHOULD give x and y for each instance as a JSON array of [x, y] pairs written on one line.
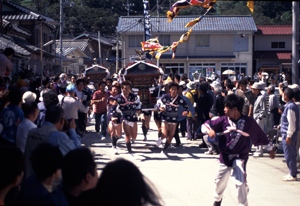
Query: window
[[237, 67], [175, 68], [135, 40], [203, 40], [278, 45], [203, 68], [164, 40]]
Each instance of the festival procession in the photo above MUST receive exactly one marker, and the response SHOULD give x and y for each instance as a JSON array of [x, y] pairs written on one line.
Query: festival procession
[[157, 107]]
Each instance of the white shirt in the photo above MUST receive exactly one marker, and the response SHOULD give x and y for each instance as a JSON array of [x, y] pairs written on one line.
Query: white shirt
[[79, 94], [22, 132]]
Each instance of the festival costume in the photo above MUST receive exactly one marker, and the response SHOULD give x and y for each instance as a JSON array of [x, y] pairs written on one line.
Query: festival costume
[[171, 106], [234, 145], [170, 115], [128, 107]]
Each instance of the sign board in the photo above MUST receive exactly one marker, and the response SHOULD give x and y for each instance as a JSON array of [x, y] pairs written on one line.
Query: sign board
[[209, 71]]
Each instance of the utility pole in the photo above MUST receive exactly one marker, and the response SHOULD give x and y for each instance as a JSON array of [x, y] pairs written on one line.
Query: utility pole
[[127, 6], [99, 42], [1, 23], [117, 53], [295, 43], [41, 47], [61, 34], [157, 63]]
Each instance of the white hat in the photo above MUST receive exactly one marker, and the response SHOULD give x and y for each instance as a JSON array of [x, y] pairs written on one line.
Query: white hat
[[258, 85], [294, 86], [191, 85], [182, 84], [29, 97]]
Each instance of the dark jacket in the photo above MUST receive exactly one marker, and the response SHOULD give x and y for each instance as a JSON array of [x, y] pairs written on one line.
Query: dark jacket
[[218, 106], [204, 103]]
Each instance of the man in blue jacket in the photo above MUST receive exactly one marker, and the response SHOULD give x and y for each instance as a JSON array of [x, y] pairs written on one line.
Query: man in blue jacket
[[289, 130]]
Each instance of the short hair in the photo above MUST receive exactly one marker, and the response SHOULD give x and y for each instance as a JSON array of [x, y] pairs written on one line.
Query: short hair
[[54, 114], [203, 87], [79, 80], [49, 98], [101, 82], [15, 96], [122, 177], [243, 82], [218, 89], [76, 165], [173, 84], [46, 159], [230, 85], [56, 78], [297, 95], [233, 100], [45, 81], [12, 163], [63, 88], [9, 51], [271, 89], [126, 82], [29, 108], [183, 78], [109, 79], [289, 93], [176, 76], [74, 76]]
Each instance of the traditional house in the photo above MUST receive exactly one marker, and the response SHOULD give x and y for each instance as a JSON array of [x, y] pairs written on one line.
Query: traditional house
[[217, 43], [31, 30], [273, 48]]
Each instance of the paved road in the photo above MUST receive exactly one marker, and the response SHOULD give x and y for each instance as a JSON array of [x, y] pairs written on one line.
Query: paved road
[[186, 177]]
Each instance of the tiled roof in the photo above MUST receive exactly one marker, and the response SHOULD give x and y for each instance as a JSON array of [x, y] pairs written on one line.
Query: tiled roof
[[279, 55], [103, 40], [207, 24], [15, 27], [274, 30], [70, 45], [8, 42], [23, 13]]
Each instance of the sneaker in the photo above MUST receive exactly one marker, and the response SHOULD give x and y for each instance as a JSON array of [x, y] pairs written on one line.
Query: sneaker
[[289, 178], [258, 154], [102, 137], [116, 150], [163, 154], [145, 139], [132, 141], [209, 153], [158, 142]]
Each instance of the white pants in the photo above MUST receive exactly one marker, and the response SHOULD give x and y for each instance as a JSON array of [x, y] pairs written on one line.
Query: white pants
[[238, 176], [261, 123]]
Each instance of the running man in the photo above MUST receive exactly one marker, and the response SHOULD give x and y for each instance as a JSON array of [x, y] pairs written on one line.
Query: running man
[[114, 118], [235, 132], [129, 104], [168, 105]]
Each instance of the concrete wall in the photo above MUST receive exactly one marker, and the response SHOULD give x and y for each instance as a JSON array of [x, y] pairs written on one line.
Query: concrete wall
[[263, 42]]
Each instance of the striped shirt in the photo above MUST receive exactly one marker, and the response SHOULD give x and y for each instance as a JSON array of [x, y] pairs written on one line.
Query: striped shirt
[[100, 107]]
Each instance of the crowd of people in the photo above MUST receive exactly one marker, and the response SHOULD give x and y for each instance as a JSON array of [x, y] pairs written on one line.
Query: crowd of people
[[43, 121]]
